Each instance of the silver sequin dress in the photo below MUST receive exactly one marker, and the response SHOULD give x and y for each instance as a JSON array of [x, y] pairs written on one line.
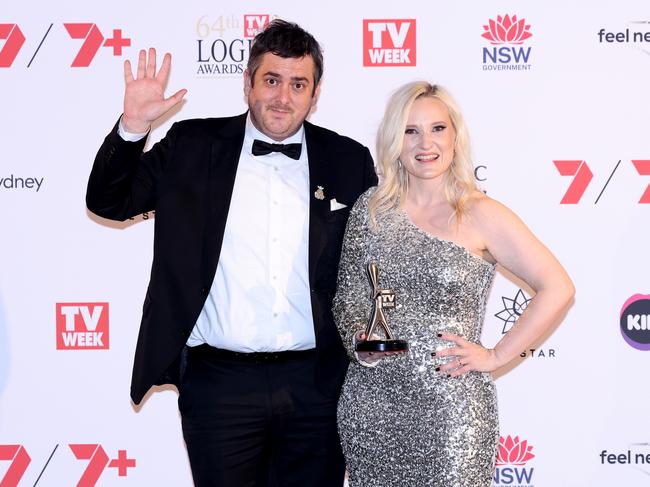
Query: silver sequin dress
[[401, 423]]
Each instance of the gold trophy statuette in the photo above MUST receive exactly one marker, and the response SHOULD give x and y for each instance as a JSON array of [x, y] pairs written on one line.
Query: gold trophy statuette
[[382, 299]]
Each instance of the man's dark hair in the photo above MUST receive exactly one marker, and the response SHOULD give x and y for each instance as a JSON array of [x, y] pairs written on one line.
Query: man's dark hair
[[287, 40]]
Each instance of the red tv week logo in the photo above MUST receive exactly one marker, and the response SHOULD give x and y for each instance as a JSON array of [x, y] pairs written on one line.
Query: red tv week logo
[[82, 326], [389, 42], [254, 24]]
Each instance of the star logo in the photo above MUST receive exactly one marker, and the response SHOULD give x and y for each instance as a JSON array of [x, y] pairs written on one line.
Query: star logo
[[512, 310]]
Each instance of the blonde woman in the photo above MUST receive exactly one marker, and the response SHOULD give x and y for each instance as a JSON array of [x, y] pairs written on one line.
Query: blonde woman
[[428, 416]]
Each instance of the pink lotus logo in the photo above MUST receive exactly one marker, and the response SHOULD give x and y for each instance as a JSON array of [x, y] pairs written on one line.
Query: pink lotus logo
[[513, 452], [507, 30]]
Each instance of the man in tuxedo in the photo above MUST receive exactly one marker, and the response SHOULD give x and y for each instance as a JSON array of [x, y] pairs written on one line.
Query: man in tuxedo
[[250, 216]]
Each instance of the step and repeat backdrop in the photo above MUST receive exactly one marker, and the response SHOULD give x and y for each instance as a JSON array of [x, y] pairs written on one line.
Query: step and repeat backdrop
[[556, 95]]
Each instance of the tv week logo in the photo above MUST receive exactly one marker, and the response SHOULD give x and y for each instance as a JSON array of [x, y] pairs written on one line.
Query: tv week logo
[[82, 326], [254, 24], [389, 42]]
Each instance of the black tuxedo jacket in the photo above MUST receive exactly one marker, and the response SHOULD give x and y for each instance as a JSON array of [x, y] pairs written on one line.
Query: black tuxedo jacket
[[187, 178]]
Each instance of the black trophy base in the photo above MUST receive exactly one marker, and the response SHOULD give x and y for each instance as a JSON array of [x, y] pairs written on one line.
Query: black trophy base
[[382, 346]]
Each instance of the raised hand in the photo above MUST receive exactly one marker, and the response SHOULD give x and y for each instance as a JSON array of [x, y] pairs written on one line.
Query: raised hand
[[144, 96]]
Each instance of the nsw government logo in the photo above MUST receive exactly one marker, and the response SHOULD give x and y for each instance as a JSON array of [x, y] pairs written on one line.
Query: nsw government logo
[[389, 42], [507, 52], [635, 321], [82, 326], [513, 456]]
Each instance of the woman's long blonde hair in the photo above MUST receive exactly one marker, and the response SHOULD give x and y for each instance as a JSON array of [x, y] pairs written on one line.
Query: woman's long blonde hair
[[459, 182]]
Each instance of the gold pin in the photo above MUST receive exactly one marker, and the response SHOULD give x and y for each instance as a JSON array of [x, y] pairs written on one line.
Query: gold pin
[[319, 193]]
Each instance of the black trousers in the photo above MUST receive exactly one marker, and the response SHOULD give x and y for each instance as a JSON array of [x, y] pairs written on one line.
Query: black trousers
[[258, 422]]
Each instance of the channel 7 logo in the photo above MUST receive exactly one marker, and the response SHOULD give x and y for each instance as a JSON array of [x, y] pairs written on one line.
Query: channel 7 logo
[[582, 177], [389, 42], [18, 461], [88, 32], [82, 326]]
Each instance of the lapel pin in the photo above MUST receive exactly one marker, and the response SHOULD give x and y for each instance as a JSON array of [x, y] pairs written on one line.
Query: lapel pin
[[319, 193]]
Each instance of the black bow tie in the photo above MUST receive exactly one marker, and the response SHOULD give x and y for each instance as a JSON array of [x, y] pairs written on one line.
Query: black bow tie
[[261, 148]]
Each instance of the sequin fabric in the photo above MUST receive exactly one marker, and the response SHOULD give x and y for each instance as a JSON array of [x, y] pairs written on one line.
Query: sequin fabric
[[402, 423]]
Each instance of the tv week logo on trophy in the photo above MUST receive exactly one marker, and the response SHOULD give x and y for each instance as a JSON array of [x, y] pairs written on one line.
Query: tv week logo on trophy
[[389, 42], [82, 326]]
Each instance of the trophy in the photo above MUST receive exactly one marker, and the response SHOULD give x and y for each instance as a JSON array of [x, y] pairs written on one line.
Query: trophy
[[382, 299]]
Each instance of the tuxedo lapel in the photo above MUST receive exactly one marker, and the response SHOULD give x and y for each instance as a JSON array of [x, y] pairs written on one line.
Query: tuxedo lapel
[[225, 152], [319, 187]]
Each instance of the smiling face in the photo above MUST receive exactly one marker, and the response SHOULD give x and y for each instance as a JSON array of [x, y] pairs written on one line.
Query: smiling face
[[281, 94], [429, 138]]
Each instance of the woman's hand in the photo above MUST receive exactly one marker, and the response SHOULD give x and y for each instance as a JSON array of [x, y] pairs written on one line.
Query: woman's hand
[[467, 357]]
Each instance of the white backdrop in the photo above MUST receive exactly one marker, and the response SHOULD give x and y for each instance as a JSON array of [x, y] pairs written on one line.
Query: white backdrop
[[579, 401]]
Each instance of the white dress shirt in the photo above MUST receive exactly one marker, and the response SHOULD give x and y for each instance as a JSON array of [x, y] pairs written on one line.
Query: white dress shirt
[[260, 298]]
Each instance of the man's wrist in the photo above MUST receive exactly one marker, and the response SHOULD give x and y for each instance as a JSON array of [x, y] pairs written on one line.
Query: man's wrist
[[128, 134]]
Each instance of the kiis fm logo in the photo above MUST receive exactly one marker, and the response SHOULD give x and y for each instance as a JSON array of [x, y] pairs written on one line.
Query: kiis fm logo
[[224, 42], [92, 38], [97, 458], [506, 35], [512, 456], [582, 176], [635, 321], [82, 326], [389, 42]]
